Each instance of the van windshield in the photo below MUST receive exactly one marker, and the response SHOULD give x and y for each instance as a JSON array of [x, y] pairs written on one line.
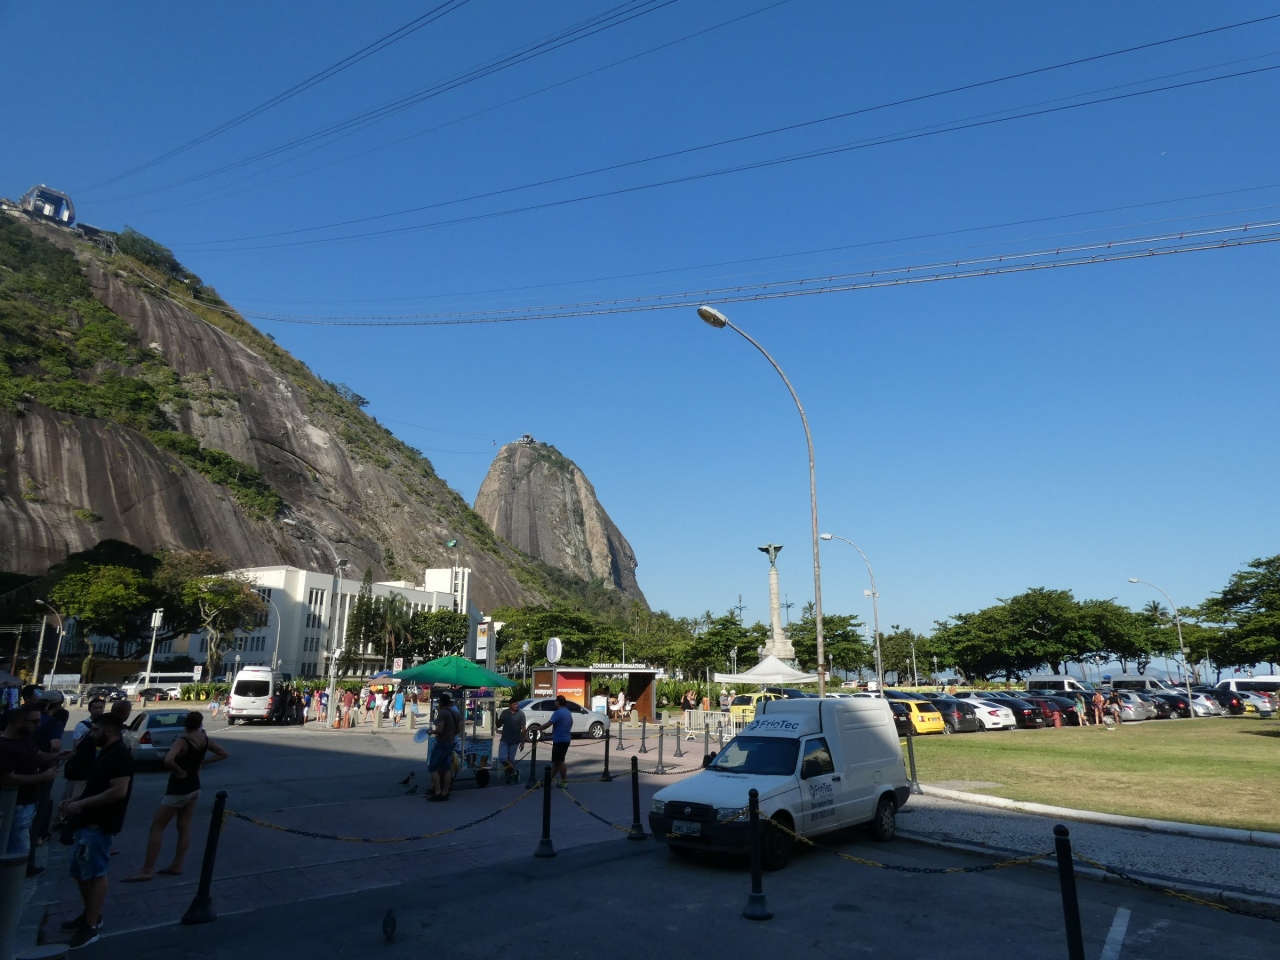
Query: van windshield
[[252, 688], [766, 756]]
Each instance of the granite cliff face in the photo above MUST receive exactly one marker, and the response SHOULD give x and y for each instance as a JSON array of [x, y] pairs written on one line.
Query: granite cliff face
[[225, 402], [540, 502]]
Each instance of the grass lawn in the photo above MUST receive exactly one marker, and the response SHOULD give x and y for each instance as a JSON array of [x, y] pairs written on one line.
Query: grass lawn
[[1220, 771]]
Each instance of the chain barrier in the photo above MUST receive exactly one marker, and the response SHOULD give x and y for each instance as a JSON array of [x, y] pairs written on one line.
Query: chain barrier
[[1019, 861], [1158, 888], [591, 813], [425, 836]]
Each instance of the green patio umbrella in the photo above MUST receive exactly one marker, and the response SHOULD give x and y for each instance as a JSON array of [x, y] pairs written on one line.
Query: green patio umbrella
[[455, 671]]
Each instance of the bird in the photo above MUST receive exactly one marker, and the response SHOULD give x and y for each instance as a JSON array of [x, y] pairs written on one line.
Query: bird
[[407, 779], [411, 790], [389, 925]]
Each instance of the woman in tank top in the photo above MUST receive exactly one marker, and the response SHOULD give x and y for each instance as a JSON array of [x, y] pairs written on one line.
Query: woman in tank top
[[189, 753]]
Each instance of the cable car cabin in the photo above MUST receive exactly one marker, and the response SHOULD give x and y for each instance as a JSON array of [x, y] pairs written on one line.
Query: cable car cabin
[[45, 203]]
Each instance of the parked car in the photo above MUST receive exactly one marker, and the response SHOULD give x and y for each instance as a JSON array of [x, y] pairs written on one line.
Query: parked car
[[1133, 708], [994, 715], [743, 707], [537, 714], [925, 717], [1026, 714], [791, 693], [904, 695], [1050, 705], [1163, 709], [1205, 705], [1230, 701], [1256, 703], [1179, 705], [902, 718], [154, 694], [958, 716], [151, 734], [105, 692]]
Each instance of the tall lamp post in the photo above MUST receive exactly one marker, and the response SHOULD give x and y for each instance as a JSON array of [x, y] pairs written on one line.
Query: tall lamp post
[[874, 594], [718, 320], [1177, 622], [35, 673], [338, 566], [275, 656]]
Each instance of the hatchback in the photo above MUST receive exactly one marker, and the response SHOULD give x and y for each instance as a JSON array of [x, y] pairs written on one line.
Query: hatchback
[[958, 716]]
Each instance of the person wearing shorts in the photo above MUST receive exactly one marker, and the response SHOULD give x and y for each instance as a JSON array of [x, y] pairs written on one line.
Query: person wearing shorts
[[96, 819], [440, 763], [511, 722], [561, 724], [189, 753]]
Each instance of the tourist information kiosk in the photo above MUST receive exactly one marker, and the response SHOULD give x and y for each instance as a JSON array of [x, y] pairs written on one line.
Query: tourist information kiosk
[[579, 684]]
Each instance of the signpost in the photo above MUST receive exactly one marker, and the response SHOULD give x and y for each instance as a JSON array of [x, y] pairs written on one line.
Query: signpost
[[397, 664], [555, 650]]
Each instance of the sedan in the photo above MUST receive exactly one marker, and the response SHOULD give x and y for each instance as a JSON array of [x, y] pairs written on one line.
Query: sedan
[[150, 735], [958, 716], [1205, 705], [1178, 704], [1051, 705], [902, 718], [1231, 702], [1258, 704], [537, 714], [994, 715], [1026, 714]]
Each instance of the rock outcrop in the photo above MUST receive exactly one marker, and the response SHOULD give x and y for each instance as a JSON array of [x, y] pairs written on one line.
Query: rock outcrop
[[538, 500], [69, 481]]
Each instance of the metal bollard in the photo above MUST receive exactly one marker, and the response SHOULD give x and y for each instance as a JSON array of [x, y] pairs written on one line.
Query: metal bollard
[[661, 768], [620, 747], [644, 733], [757, 907], [201, 909], [720, 732], [533, 762], [637, 828], [911, 756], [377, 720], [678, 752], [8, 802], [545, 849], [706, 742], [606, 777], [1067, 881], [413, 718]]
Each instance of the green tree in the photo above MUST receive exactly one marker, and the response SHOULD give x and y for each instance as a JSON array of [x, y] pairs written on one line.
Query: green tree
[[227, 603], [108, 601], [1249, 608], [712, 648], [176, 569], [364, 627], [581, 634], [394, 620], [841, 638], [438, 633]]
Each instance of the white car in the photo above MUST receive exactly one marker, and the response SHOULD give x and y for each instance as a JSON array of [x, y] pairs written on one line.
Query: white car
[[991, 713], [537, 714], [1204, 705]]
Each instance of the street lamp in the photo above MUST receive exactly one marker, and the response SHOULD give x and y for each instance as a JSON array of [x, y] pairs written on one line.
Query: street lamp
[[338, 566], [718, 320], [35, 673], [875, 607], [275, 656], [1177, 622]]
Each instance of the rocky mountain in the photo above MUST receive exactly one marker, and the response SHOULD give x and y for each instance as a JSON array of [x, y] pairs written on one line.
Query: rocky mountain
[[538, 500], [136, 405]]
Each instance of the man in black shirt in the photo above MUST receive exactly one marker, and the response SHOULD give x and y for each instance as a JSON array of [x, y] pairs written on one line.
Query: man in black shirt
[[97, 817]]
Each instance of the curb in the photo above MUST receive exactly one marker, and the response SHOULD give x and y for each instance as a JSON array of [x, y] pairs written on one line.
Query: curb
[[1270, 906], [1258, 838]]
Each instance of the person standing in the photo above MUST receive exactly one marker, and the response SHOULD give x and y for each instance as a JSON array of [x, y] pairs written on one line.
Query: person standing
[[96, 818], [1098, 704], [189, 753], [725, 700], [96, 707], [348, 703], [561, 724], [324, 706], [397, 712], [23, 766], [689, 701], [1081, 711], [440, 762], [512, 724]]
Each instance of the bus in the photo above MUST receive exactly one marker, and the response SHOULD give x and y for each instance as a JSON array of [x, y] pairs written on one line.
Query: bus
[[141, 681]]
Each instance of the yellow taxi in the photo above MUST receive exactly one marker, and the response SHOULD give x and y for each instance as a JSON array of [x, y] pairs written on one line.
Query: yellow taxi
[[743, 707], [925, 717]]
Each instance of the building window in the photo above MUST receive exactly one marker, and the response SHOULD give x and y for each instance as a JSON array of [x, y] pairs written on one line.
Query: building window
[[315, 608]]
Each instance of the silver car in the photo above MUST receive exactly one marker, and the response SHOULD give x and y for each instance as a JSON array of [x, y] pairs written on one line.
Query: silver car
[[151, 734], [1205, 706], [1260, 702], [537, 714]]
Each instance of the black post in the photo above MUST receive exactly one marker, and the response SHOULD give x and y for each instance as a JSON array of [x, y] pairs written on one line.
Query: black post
[[757, 907], [644, 732], [545, 849], [911, 757], [1067, 880], [533, 761], [679, 737], [606, 777], [201, 909], [706, 742], [637, 828]]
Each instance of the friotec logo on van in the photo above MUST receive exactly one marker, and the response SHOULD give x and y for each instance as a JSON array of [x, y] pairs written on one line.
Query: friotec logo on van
[[765, 723]]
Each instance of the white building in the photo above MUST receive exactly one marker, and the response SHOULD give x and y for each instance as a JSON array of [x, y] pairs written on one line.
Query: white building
[[299, 609]]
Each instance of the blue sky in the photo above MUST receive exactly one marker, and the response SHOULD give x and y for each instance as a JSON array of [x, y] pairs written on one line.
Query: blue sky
[[1070, 428]]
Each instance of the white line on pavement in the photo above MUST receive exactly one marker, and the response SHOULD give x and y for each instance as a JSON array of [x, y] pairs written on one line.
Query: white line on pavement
[[1115, 936]]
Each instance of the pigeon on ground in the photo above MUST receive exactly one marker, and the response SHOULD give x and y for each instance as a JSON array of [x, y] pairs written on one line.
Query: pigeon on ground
[[406, 779], [389, 925], [412, 790]]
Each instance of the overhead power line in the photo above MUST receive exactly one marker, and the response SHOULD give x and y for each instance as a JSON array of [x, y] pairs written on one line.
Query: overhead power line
[[413, 26], [917, 134], [1102, 251], [614, 17]]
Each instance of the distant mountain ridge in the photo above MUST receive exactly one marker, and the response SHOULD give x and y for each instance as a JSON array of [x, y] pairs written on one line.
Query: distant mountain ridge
[[540, 502]]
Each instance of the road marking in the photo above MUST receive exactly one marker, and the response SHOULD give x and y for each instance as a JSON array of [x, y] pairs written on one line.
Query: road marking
[[1115, 936]]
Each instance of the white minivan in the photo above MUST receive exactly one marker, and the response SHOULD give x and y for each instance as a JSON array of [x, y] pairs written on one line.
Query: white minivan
[[1140, 683], [819, 765], [253, 694], [1060, 683]]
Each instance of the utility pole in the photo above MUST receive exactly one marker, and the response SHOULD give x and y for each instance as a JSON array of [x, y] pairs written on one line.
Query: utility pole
[[157, 618], [740, 607], [787, 605]]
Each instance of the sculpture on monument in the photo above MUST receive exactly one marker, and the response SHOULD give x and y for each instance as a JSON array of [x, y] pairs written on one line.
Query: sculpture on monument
[[779, 644]]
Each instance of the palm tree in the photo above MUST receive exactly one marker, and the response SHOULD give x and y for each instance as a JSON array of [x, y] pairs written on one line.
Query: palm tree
[[394, 619], [1156, 611]]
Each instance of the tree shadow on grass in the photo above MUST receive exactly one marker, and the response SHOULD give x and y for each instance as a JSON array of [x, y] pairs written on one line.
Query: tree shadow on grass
[[1262, 733]]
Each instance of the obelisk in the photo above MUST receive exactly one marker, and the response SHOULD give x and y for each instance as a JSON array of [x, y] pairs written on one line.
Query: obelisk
[[779, 645]]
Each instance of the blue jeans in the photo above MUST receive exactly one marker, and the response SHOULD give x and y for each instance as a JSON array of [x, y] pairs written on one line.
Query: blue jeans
[[20, 832]]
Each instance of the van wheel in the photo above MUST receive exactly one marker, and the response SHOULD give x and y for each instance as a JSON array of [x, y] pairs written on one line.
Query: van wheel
[[231, 721], [948, 727], [885, 823], [596, 732], [775, 846]]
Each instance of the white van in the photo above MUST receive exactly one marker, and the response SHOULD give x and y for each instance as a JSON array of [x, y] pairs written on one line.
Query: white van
[[141, 681], [1133, 681], [253, 694], [1259, 684], [1061, 683], [819, 765]]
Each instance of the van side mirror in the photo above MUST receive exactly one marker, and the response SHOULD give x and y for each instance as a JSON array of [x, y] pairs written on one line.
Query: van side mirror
[[706, 761]]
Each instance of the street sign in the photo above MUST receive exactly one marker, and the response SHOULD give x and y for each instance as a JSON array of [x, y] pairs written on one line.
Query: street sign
[[157, 619], [196, 672], [397, 664], [554, 650]]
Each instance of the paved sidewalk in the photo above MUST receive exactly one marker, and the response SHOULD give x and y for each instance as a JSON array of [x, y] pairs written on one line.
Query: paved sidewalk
[[1235, 867]]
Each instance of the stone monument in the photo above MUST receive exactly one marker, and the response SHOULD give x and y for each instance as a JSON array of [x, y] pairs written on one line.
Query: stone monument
[[779, 644]]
